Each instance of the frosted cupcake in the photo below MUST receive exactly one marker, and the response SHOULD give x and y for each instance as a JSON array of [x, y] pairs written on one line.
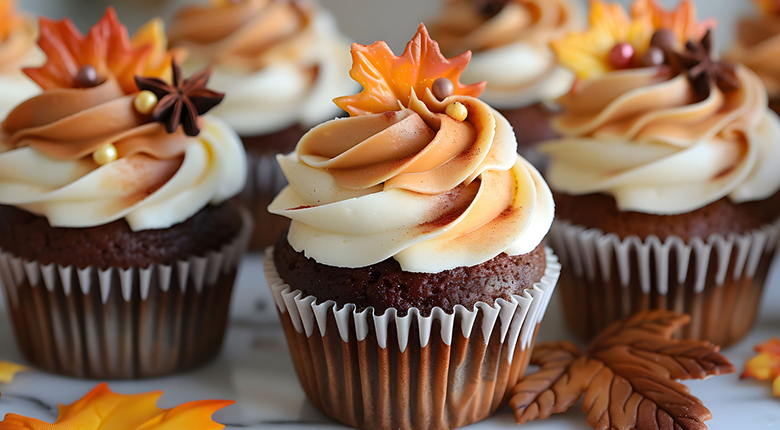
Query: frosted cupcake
[[511, 44], [18, 34], [281, 64], [118, 244], [413, 279], [758, 47], [666, 175]]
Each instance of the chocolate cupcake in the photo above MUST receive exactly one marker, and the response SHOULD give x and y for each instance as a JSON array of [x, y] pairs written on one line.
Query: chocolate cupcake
[[758, 47], [510, 40], [281, 63], [118, 242], [412, 280], [18, 34], [666, 175]]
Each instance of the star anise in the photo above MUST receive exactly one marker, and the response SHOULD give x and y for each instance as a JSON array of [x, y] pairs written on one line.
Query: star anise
[[702, 70], [181, 102]]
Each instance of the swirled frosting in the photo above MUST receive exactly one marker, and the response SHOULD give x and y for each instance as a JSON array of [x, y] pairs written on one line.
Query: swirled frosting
[[159, 180], [279, 62], [511, 49], [17, 50], [415, 185], [643, 137], [758, 47]]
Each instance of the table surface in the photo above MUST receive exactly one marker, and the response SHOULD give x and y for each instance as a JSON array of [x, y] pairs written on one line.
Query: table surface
[[256, 371]]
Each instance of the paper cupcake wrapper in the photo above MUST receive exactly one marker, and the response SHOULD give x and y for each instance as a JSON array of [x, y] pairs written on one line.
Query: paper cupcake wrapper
[[717, 280], [265, 181], [121, 323], [440, 371]]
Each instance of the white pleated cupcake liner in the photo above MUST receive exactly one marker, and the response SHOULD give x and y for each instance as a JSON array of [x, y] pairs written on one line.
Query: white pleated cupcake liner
[[441, 371], [265, 177], [119, 323], [661, 268]]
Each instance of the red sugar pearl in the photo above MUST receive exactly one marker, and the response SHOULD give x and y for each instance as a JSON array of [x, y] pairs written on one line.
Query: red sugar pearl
[[621, 55]]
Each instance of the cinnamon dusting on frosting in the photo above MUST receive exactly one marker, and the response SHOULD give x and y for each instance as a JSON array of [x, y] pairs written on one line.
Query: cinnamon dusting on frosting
[[400, 178]]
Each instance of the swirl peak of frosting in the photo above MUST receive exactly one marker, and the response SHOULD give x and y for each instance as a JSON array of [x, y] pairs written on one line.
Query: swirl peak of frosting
[[668, 139], [411, 182], [280, 61], [150, 176]]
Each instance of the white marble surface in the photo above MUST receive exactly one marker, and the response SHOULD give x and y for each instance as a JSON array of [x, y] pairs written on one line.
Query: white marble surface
[[255, 370]]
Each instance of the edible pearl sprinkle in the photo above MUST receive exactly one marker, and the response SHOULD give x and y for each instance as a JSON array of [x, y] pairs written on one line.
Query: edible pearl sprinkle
[[442, 88], [87, 77], [145, 102], [457, 111], [621, 55], [105, 154]]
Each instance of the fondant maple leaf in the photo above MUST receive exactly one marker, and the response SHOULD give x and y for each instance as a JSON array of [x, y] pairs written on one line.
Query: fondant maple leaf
[[628, 376], [766, 365], [103, 409], [10, 19], [682, 21], [388, 79], [769, 7], [106, 47]]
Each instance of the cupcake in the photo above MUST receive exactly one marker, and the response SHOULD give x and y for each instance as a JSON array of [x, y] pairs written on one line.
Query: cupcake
[[510, 40], [758, 47], [666, 176], [18, 34], [118, 242], [280, 63], [412, 280]]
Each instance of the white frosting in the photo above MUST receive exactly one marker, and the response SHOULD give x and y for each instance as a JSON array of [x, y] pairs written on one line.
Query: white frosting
[[74, 193], [518, 75], [655, 152], [283, 94], [15, 86], [504, 205]]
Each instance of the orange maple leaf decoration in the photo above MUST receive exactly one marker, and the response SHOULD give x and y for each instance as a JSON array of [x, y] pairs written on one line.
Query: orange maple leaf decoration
[[628, 376], [10, 19], [103, 409], [766, 365], [106, 47], [769, 7], [388, 79], [682, 21]]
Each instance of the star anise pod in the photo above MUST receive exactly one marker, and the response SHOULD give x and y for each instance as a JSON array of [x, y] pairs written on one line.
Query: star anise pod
[[702, 70], [183, 100]]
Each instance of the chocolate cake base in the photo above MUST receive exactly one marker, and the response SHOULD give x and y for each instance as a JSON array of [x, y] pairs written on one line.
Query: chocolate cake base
[[265, 181], [385, 285], [774, 104], [651, 262], [106, 309]]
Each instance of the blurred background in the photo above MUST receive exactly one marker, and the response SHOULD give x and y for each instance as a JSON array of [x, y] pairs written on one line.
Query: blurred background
[[365, 21]]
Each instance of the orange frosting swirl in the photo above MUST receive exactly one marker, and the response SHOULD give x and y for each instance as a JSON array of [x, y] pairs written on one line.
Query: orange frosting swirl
[[248, 34], [758, 47], [415, 184], [644, 137]]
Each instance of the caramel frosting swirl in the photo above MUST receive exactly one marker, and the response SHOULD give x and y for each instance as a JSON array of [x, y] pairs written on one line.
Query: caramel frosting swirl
[[17, 50], [279, 62], [416, 185], [511, 49], [159, 180], [643, 137], [758, 47]]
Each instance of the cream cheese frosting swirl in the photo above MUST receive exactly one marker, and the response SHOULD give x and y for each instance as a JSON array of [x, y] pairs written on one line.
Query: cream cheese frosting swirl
[[511, 49], [415, 185], [17, 50], [280, 62], [643, 136], [758, 47], [159, 180]]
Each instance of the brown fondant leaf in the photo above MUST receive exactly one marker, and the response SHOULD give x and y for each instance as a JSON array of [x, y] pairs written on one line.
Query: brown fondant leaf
[[628, 377]]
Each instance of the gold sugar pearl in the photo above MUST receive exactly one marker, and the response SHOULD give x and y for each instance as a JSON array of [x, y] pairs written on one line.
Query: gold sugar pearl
[[145, 102], [105, 154], [457, 111]]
